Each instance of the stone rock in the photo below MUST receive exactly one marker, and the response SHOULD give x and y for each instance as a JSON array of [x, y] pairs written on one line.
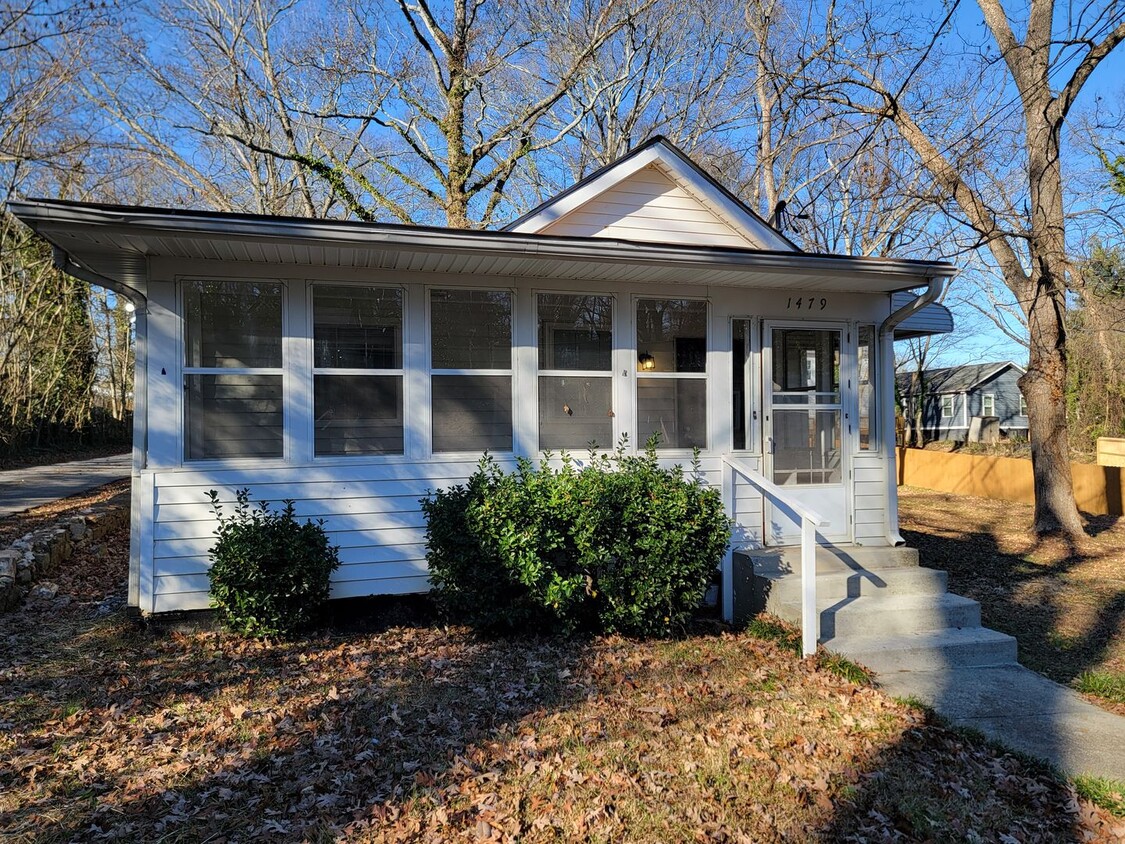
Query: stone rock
[[23, 576], [77, 527], [44, 591], [9, 563]]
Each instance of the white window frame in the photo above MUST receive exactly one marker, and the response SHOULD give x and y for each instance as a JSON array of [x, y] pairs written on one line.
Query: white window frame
[[1023, 405], [310, 305], [986, 400], [947, 405], [638, 445], [182, 283], [510, 371], [578, 373]]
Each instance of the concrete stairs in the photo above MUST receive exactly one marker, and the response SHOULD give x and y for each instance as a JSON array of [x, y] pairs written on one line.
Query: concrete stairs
[[877, 606]]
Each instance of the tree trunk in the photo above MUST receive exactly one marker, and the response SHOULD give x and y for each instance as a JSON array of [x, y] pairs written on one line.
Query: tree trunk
[[1044, 387]]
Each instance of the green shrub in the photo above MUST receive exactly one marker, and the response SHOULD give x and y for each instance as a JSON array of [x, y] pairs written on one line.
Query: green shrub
[[621, 545], [269, 573]]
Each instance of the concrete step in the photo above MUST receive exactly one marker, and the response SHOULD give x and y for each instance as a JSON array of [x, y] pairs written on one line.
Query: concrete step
[[887, 615], [832, 558], [901, 580], [928, 650]]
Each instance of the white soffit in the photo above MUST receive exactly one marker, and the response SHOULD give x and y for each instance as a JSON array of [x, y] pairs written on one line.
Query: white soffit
[[595, 208]]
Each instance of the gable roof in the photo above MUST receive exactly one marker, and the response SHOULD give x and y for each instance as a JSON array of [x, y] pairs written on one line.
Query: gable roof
[[955, 379], [643, 169]]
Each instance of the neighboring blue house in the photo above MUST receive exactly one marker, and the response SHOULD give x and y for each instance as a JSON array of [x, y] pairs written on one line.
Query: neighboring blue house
[[956, 394]]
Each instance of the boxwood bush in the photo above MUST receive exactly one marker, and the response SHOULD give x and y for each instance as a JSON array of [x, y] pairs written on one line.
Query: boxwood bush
[[620, 545], [269, 572]]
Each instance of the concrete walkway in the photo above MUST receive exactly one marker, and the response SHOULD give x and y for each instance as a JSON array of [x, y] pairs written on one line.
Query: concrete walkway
[[38, 485], [1025, 711]]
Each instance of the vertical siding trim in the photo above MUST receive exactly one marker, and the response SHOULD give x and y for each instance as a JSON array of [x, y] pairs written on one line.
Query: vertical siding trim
[[165, 384], [296, 384], [416, 377], [525, 366], [140, 538], [625, 370], [727, 589]]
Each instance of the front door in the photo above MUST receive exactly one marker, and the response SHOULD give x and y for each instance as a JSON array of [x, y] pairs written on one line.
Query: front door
[[804, 439]]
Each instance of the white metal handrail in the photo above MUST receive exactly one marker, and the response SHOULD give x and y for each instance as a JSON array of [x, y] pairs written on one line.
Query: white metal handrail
[[810, 521]]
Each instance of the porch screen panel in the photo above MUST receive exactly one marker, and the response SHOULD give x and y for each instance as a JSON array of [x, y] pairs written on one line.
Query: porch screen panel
[[806, 425], [233, 380], [471, 370], [575, 371], [357, 375], [672, 372]]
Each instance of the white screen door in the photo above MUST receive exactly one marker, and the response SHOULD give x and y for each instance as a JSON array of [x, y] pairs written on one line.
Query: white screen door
[[804, 436]]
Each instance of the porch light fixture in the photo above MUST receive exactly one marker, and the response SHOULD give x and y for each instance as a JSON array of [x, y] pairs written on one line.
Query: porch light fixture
[[646, 362]]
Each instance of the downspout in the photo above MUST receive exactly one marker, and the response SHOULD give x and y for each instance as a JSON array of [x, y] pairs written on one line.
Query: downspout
[[935, 286]]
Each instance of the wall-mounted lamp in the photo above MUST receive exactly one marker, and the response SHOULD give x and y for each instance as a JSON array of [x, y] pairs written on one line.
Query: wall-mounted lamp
[[646, 362]]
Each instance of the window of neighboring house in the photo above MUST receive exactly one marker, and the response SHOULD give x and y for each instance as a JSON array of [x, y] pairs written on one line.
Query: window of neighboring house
[[947, 407], [988, 405], [1023, 405], [357, 370], [672, 372], [865, 360], [575, 371], [471, 370], [232, 370]]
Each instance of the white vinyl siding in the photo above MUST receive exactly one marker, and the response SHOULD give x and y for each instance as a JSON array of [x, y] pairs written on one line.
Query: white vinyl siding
[[371, 512], [649, 206]]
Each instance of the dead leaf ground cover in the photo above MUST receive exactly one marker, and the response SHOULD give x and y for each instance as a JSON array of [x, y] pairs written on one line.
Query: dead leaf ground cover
[[1063, 601], [397, 729]]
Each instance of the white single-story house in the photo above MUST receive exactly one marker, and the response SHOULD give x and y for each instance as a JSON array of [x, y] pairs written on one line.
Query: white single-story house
[[352, 367]]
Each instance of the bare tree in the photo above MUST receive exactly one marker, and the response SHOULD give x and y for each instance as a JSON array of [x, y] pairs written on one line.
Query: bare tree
[[1024, 230]]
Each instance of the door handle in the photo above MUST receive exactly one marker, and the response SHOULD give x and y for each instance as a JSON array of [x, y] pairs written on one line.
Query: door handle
[[769, 445]]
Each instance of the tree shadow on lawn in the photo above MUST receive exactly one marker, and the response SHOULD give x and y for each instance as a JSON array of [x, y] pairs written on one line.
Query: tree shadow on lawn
[[295, 743], [319, 729], [1065, 624]]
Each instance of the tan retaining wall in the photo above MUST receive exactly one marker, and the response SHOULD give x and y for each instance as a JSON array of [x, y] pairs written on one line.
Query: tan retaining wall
[[1099, 490]]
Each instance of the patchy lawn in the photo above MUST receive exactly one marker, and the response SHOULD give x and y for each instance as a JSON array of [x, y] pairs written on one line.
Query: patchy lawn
[[415, 732], [1063, 601]]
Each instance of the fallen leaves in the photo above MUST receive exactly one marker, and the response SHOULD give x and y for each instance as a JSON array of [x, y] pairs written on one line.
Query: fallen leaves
[[432, 734]]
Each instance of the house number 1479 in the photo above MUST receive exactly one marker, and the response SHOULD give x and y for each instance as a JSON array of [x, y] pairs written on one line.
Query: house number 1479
[[807, 303]]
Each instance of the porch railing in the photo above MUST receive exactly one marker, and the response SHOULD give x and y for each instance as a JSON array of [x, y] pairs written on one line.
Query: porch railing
[[809, 520]]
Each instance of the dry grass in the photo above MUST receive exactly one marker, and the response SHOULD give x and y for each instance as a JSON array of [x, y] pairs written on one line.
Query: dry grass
[[398, 729], [1064, 601]]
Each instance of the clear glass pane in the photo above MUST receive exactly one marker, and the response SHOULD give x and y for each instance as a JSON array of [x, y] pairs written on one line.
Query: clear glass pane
[[358, 414], [674, 408], [472, 412], [232, 324], [232, 416], [671, 335], [471, 329], [806, 361], [575, 332], [573, 412], [357, 327], [738, 394], [866, 366], [806, 447]]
